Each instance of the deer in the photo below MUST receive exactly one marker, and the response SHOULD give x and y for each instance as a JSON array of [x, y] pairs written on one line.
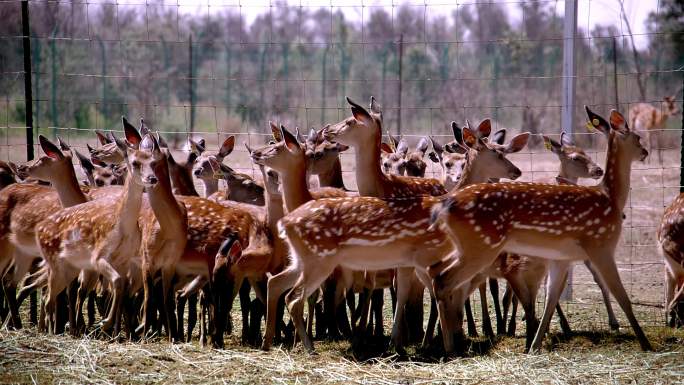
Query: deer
[[327, 233], [574, 164], [651, 120], [99, 174], [671, 247], [23, 206], [323, 160], [240, 187], [562, 223], [204, 169], [101, 236]]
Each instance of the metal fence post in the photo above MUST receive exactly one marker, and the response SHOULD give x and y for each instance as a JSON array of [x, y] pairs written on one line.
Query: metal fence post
[[28, 102], [568, 105]]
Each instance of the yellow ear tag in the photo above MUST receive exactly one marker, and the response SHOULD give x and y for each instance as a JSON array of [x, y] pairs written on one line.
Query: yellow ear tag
[[547, 144], [590, 127], [595, 122]]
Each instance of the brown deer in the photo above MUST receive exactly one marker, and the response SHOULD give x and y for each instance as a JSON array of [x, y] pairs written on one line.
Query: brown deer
[[100, 174], [240, 187], [561, 223], [671, 247], [651, 120], [23, 206], [323, 160], [101, 236], [327, 233], [204, 169]]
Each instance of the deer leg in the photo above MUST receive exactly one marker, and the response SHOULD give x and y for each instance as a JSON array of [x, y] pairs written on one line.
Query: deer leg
[[192, 315], [554, 286], [472, 328], [512, 324], [414, 311], [10, 290], [377, 303], [311, 303], [309, 281], [494, 291], [59, 277], [276, 286], [403, 283], [169, 303], [670, 284], [486, 321], [86, 282], [459, 272], [147, 309], [245, 308], [612, 319], [605, 265], [506, 302], [518, 288], [432, 323]]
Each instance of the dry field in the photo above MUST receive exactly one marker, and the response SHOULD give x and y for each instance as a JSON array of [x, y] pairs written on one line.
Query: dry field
[[592, 355]]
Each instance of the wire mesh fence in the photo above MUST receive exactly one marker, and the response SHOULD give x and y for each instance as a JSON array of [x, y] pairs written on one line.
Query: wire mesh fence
[[218, 68]]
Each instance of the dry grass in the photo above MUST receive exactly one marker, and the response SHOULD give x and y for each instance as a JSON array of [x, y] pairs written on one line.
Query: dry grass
[[600, 358]]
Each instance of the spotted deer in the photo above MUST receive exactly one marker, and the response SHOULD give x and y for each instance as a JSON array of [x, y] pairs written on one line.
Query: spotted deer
[[327, 233], [323, 159], [239, 187], [562, 223], [451, 163], [651, 120], [205, 167], [101, 236], [99, 174], [671, 247], [289, 159], [23, 206]]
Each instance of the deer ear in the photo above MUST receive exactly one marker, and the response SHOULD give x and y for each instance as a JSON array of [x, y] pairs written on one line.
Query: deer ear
[[618, 122], [456, 131], [299, 136], [433, 157], [49, 148], [249, 149], [422, 145], [375, 106], [436, 146], [565, 139], [275, 131], [131, 133], [499, 136], [551, 145], [144, 130], [13, 167], [484, 128], [62, 146], [90, 149], [517, 143], [359, 112], [402, 147], [597, 122], [160, 140], [230, 248], [290, 140], [384, 147], [86, 164], [313, 136], [102, 137], [227, 146], [469, 138]]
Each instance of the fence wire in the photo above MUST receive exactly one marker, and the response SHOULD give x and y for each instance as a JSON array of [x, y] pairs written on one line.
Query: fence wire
[[210, 69]]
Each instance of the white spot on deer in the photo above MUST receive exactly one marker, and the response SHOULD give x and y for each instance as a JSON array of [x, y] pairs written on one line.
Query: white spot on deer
[[602, 230]]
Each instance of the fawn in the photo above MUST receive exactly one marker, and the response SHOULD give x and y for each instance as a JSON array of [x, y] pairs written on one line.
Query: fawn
[[651, 120]]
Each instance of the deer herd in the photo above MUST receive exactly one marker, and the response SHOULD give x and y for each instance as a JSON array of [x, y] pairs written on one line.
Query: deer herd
[[136, 242]]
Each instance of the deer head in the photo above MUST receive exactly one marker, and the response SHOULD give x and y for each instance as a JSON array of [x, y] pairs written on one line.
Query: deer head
[[54, 164], [361, 127], [452, 164], [414, 161], [204, 167], [7, 174], [670, 106], [491, 157], [393, 156], [575, 163], [100, 174], [143, 156]]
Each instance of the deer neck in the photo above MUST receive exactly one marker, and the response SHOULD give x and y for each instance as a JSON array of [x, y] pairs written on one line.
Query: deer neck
[[333, 176], [129, 204], [472, 172], [181, 178], [210, 186], [616, 180], [566, 176], [369, 177], [68, 190], [275, 210], [164, 205], [294, 186]]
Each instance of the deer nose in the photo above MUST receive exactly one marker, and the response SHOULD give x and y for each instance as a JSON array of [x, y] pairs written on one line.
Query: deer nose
[[99, 182], [598, 172], [516, 174], [152, 179], [198, 172]]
